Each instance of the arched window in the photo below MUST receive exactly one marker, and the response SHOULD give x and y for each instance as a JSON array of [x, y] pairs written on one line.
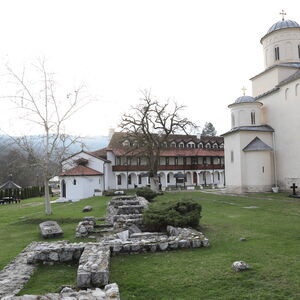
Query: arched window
[[168, 178], [200, 145], [129, 179], [297, 89], [221, 146], [74, 182], [173, 145], [286, 93], [252, 117], [181, 145], [215, 146], [276, 53], [119, 178], [208, 146], [140, 179], [232, 120]]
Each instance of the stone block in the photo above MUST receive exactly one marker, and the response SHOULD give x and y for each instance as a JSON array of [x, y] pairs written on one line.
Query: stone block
[[87, 208], [50, 229]]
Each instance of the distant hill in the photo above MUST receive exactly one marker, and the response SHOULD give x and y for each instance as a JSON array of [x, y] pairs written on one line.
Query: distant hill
[[91, 143]]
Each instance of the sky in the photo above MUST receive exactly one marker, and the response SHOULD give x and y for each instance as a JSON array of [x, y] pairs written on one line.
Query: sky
[[197, 53]]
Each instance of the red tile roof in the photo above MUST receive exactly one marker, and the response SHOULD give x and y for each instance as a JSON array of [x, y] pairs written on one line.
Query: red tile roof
[[81, 171]]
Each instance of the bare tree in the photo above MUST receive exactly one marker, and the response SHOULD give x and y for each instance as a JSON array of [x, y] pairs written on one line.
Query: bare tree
[[37, 101], [149, 126]]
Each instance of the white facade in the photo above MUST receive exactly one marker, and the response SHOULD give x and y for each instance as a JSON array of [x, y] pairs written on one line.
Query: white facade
[[199, 162], [274, 159]]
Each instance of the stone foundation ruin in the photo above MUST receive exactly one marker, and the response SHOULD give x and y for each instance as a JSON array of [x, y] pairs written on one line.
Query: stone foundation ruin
[[121, 234]]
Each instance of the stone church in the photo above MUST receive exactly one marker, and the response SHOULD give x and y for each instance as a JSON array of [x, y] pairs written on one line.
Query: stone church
[[261, 149]]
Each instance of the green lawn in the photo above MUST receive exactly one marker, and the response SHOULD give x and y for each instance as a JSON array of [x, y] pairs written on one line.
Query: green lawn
[[272, 249]]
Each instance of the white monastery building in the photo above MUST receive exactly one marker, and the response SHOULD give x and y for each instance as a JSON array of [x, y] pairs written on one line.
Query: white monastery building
[[261, 149], [185, 160]]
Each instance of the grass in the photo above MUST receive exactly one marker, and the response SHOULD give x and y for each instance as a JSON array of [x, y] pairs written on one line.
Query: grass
[[19, 222], [272, 249]]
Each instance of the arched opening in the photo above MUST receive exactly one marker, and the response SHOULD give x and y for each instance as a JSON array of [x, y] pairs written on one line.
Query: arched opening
[[286, 93], [63, 188], [252, 118]]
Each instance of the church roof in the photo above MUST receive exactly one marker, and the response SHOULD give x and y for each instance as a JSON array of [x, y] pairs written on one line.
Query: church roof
[[283, 24], [244, 99], [81, 171], [292, 77], [261, 128], [257, 145]]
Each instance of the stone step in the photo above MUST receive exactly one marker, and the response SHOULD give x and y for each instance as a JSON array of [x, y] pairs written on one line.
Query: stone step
[[93, 270], [130, 209]]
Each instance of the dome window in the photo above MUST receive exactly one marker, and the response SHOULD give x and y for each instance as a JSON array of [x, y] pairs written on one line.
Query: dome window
[[277, 56], [252, 117]]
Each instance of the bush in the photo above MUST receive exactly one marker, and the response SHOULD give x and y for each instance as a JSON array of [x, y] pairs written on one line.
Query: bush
[[147, 193], [185, 213]]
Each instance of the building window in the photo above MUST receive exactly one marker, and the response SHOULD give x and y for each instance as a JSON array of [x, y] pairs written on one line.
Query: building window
[[167, 161], [119, 178], [263, 169], [74, 182], [140, 179], [139, 161], [200, 145], [222, 146], [181, 145], [218, 176], [215, 146], [207, 146], [118, 161], [99, 180], [252, 118], [129, 179], [148, 179], [286, 93], [231, 156], [173, 145], [168, 178], [176, 161], [299, 51], [277, 56], [128, 161], [194, 160], [184, 160]]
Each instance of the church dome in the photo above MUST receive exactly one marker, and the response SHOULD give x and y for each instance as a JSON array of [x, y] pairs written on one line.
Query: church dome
[[244, 99], [282, 25]]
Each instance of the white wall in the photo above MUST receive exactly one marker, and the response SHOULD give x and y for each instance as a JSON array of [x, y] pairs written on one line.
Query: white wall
[[84, 188]]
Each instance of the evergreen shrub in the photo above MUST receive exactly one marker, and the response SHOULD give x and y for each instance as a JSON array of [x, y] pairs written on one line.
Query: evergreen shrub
[[184, 213], [147, 193]]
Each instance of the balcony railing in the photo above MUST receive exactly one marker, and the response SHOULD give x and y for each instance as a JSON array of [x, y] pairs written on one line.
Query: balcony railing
[[169, 167]]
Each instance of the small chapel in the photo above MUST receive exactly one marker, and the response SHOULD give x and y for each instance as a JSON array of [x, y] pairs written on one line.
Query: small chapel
[[261, 149]]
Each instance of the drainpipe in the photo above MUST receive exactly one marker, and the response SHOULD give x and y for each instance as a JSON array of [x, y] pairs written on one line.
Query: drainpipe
[[274, 160]]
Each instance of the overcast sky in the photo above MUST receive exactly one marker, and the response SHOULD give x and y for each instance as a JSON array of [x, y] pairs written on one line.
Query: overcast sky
[[199, 53]]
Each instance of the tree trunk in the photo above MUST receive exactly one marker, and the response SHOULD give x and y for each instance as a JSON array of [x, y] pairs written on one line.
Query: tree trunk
[[48, 209], [154, 184]]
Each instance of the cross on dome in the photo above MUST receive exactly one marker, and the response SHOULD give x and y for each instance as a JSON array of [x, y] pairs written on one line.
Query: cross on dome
[[282, 13], [244, 90]]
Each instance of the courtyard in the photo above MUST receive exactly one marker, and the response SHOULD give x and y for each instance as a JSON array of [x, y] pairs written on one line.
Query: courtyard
[[268, 222]]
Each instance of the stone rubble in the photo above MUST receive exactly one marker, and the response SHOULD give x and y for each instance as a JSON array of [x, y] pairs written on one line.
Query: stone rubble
[[239, 266], [125, 218], [110, 292], [124, 211], [93, 270]]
